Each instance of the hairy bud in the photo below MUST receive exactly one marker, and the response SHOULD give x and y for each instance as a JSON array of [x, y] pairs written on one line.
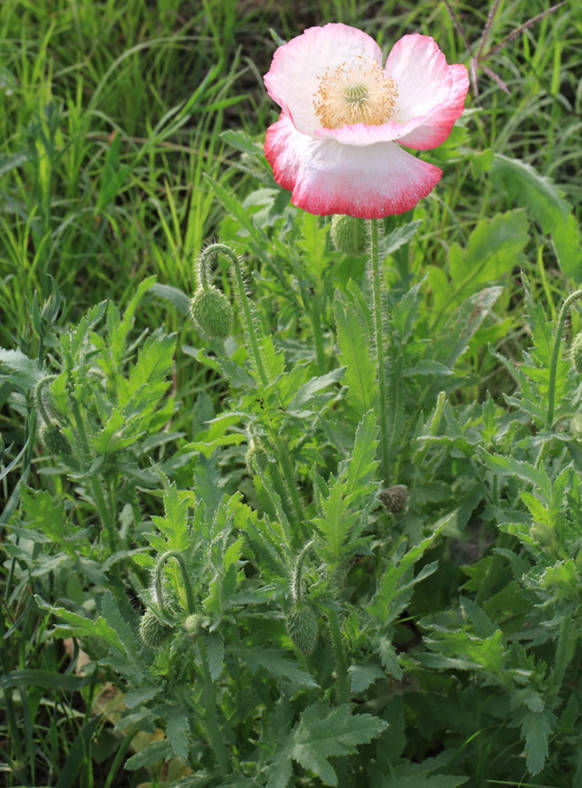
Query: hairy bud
[[543, 534], [211, 312], [303, 629], [193, 624], [348, 234], [152, 631], [394, 498], [576, 352], [54, 441]]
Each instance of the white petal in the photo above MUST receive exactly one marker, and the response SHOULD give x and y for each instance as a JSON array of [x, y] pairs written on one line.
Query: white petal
[[292, 80]]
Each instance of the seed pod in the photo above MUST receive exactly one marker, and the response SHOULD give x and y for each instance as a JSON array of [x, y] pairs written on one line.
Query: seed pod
[[303, 629], [54, 441], [576, 352], [152, 631], [394, 498], [347, 234], [211, 312]]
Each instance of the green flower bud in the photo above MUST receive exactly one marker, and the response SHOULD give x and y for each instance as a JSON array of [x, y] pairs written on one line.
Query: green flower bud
[[576, 352], [303, 629], [348, 234], [211, 312], [193, 624], [152, 631], [54, 441], [94, 647], [543, 534], [394, 498]]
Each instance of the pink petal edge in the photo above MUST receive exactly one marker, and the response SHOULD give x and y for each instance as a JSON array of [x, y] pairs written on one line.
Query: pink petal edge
[[325, 177], [432, 91]]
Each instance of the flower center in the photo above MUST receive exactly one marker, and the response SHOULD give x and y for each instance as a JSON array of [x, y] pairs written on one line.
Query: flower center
[[355, 92]]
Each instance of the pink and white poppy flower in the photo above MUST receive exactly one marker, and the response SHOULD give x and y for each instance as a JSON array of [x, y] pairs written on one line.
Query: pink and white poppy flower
[[336, 145]]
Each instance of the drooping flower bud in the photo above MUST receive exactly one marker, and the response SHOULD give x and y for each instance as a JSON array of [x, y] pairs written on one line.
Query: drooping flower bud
[[348, 234], [193, 624], [543, 534], [576, 352], [54, 441], [394, 498], [303, 629], [211, 312], [152, 631]]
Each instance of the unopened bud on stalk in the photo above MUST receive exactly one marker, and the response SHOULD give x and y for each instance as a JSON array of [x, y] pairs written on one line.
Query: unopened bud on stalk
[[193, 624], [576, 352], [211, 312], [152, 631], [348, 234], [303, 629], [54, 441], [543, 534], [394, 498]]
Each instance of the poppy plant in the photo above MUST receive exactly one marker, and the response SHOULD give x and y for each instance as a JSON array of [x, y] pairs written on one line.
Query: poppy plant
[[337, 143]]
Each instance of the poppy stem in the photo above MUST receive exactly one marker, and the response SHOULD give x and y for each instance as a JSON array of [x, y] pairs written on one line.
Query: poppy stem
[[379, 345], [341, 669], [158, 581], [253, 335], [249, 322], [556, 352], [212, 727]]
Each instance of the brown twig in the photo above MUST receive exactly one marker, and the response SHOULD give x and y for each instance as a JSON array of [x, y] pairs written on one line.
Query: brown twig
[[487, 28], [457, 24], [521, 28], [498, 81], [477, 61]]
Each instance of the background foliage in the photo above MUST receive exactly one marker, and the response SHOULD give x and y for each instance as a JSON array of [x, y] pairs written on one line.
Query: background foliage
[[205, 578]]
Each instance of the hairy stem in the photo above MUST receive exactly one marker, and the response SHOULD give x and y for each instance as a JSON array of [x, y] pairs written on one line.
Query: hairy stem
[[379, 346], [342, 691], [214, 735], [282, 450], [250, 325], [39, 394], [297, 577], [289, 475], [105, 515], [158, 584], [315, 318], [559, 330]]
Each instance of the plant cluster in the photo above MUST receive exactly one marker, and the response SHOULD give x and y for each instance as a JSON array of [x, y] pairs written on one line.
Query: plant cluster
[[304, 507]]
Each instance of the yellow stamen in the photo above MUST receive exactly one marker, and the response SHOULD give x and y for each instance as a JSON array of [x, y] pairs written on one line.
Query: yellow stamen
[[355, 92]]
